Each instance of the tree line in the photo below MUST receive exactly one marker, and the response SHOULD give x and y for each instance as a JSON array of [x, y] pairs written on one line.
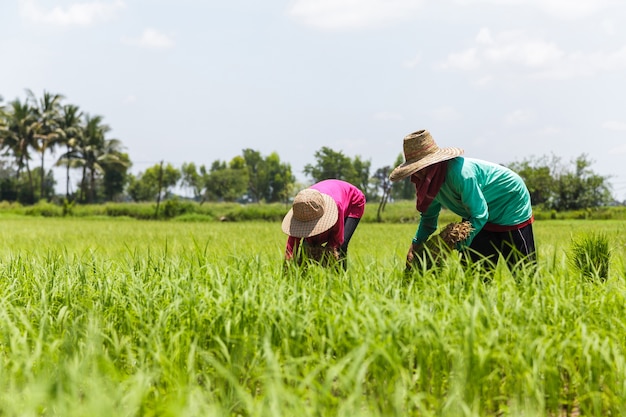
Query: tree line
[[34, 127]]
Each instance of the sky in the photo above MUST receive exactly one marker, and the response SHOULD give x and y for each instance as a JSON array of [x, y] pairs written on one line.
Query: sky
[[200, 80]]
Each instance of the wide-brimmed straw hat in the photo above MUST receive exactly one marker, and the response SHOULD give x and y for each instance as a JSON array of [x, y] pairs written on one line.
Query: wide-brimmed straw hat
[[312, 213], [420, 151]]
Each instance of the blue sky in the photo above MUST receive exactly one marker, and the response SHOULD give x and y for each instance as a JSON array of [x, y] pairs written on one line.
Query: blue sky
[[200, 80]]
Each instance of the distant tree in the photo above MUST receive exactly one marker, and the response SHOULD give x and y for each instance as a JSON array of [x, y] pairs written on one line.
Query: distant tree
[[154, 183], [331, 164], [280, 179], [581, 187], [167, 177], [47, 112], [361, 175], [142, 187], [95, 153], [40, 124], [18, 138], [70, 131], [8, 183], [258, 181], [92, 136], [237, 163], [227, 182], [382, 181], [268, 178], [541, 177], [403, 189], [194, 179], [554, 185], [42, 191], [115, 175]]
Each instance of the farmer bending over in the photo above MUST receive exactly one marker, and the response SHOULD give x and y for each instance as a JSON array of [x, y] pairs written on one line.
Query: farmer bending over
[[491, 197], [324, 215]]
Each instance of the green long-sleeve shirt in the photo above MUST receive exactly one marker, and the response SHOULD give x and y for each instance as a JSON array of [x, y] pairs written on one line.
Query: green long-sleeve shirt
[[478, 191]]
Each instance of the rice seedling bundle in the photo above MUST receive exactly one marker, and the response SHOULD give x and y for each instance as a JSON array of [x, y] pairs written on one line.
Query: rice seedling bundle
[[437, 247], [321, 254]]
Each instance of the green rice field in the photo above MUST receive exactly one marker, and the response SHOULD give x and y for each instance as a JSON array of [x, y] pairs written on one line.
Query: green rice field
[[118, 317]]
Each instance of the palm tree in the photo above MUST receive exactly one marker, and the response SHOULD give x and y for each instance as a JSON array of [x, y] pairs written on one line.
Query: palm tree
[[47, 111], [91, 136], [95, 154], [111, 159], [70, 129], [19, 136]]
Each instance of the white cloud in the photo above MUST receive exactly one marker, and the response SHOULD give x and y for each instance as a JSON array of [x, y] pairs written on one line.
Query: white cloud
[[561, 9], [484, 36], [571, 9], [352, 14], [516, 47], [614, 125], [151, 38], [467, 60], [519, 53], [608, 26], [76, 14]]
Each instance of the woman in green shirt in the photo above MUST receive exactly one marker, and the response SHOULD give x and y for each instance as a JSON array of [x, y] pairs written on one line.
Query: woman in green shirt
[[491, 197]]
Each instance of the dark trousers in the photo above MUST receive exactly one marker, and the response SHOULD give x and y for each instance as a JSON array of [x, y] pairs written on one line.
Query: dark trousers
[[515, 246], [349, 226]]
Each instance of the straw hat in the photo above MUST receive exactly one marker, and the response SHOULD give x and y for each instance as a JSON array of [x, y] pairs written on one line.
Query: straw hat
[[420, 151], [311, 214]]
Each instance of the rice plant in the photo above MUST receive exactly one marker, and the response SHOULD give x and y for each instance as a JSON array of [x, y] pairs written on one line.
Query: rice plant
[[129, 318], [590, 255]]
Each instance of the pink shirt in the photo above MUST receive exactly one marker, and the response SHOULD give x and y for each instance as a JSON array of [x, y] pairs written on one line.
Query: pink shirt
[[350, 203]]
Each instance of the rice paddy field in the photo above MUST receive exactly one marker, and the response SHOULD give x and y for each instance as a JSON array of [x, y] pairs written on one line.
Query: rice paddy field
[[114, 317]]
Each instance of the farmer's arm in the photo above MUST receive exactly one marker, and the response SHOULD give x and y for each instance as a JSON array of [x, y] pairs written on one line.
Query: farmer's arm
[[427, 226], [428, 223], [292, 247]]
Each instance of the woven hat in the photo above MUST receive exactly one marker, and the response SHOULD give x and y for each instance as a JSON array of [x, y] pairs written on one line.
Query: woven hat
[[312, 213], [420, 151]]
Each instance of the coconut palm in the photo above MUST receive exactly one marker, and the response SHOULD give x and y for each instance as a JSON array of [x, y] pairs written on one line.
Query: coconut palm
[[109, 157], [47, 111], [93, 137], [95, 154], [18, 137], [70, 129]]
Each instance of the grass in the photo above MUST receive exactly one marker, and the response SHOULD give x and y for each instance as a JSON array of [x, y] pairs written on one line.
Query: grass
[[591, 256], [121, 317]]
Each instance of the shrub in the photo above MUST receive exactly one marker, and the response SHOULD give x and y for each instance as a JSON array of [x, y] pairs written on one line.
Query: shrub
[[267, 212], [176, 207], [137, 211], [194, 217], [44, 209]]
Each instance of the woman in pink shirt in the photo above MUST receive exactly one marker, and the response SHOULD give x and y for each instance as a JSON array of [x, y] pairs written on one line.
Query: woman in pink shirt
[[325, 214]]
